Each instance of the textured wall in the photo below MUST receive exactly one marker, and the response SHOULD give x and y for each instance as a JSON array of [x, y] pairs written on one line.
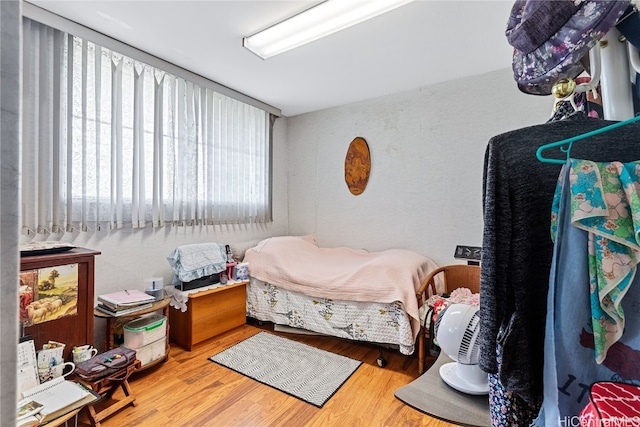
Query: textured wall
[[427, 152], [10, 82]]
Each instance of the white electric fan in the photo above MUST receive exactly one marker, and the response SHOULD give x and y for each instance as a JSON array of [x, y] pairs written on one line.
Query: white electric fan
[[457, 330]]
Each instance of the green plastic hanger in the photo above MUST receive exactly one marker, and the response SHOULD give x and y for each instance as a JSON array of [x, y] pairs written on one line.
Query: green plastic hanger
[[569, 141]]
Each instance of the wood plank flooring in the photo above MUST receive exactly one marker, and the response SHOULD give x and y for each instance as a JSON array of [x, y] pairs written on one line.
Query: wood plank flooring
[[190, 390]]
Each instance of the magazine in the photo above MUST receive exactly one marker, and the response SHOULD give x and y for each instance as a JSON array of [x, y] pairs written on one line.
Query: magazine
[[121, 312], [126, 298]]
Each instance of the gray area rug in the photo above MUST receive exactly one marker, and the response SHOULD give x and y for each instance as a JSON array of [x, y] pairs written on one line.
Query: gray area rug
[[305, 372], [432, 396]]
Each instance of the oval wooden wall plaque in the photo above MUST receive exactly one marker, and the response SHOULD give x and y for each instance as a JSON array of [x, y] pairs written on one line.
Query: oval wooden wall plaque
[[357, 166]]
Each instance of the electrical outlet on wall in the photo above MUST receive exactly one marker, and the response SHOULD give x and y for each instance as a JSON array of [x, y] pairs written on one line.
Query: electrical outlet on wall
[[468, 252]]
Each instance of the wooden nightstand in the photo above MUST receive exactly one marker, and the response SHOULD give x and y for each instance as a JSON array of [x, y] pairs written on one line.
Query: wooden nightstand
[[209, 313]]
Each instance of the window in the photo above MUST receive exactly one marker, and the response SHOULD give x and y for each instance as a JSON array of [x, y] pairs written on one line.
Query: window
[[109, 141]]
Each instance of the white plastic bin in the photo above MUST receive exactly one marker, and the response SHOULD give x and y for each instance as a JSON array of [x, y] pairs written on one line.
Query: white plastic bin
[[145, 330], [151, 352]]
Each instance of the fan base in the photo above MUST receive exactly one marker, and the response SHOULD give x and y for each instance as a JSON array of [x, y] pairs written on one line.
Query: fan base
[[453, 374]]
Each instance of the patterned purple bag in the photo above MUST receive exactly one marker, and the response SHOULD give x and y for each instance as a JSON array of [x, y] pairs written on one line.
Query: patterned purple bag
[[105, 364], [550, 37]]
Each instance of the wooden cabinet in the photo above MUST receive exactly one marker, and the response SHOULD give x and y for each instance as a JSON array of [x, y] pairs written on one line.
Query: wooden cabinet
[[69, 321], [209, 313]]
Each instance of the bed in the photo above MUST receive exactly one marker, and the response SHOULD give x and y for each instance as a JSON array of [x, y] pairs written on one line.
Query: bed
[[343, 292]]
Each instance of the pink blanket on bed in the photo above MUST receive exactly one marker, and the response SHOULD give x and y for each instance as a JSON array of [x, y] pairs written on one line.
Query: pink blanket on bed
[[298, 264]]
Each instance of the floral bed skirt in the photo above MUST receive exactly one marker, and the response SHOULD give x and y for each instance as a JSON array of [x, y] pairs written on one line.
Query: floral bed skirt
[[380, 323]]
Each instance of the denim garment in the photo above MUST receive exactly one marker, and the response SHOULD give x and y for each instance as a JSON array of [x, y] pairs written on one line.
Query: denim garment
[[570, 365]]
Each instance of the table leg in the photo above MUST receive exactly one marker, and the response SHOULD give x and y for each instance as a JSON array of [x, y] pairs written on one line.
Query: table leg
[[106, 388], [93, 416]]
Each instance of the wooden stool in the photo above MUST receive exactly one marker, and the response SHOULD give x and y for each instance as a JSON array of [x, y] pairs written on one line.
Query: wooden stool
[[106, 387]]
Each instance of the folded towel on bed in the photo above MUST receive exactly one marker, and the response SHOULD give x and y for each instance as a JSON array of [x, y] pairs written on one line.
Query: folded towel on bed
[[299, 265], [190, 262]]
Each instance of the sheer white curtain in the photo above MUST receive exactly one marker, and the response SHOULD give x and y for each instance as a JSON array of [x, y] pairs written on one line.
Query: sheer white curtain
[[112, 142]]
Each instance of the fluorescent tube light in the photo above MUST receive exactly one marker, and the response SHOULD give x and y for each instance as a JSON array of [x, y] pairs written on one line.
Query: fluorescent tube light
[[319, 21]]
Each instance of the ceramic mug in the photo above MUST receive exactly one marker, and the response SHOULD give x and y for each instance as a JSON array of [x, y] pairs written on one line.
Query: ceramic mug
[[81, 354], [82, 347], [58, 370], [46, 373]]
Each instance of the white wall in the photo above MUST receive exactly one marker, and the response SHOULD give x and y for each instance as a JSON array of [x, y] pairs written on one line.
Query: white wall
[[427, 152], [10, 137]]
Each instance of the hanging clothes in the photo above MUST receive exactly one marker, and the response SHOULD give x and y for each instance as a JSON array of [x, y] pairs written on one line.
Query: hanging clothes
[[517, 252], [592, 324]]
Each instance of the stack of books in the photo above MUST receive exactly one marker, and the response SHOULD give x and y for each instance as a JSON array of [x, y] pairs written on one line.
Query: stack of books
[[124, 302]]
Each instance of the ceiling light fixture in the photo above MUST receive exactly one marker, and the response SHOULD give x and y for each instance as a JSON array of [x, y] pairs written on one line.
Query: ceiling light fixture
[[319, 21]]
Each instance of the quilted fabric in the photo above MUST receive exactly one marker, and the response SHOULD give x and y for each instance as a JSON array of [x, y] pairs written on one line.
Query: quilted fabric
[[191, 262]]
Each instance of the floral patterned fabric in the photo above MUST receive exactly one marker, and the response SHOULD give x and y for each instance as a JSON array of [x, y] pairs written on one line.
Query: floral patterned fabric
[[605, 202], [439, 303], [507, 409], [360, 321]]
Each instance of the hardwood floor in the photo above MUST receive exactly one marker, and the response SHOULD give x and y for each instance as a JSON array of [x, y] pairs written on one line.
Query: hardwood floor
[[190, 390]]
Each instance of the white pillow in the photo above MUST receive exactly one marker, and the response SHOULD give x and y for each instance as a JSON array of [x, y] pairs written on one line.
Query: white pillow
[[238, 249]]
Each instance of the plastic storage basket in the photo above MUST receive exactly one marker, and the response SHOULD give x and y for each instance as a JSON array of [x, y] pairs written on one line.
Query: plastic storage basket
[[145, 330]]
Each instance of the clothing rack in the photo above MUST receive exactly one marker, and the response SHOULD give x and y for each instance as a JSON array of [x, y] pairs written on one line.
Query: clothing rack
[[614, 60]]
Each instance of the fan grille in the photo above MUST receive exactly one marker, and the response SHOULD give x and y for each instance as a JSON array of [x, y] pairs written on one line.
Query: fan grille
[[469, 350]]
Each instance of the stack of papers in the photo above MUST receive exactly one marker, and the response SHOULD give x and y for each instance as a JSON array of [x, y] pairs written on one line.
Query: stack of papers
[[124, 302]]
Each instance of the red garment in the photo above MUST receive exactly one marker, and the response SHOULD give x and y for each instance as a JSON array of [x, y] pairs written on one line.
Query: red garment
[[612, 404]]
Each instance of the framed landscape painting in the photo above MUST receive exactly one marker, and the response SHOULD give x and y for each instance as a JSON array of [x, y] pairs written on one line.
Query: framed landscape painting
[[48, 293]]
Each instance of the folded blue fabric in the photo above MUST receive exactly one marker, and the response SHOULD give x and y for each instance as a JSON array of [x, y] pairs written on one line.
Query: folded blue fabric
[[191, 262]]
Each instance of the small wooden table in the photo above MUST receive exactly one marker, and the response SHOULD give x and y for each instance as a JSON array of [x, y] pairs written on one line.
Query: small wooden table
[[112, 321], [163, 305], [106, 387]]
